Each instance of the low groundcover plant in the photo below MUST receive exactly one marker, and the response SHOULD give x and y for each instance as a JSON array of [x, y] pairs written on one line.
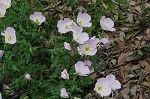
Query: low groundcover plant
[[39, 67]]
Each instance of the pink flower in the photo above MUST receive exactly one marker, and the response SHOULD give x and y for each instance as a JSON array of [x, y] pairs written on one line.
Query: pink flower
[[113, 83], [71, 25], [2, 10], [66, 25], [64, 74], [89, 47], [38, 18], [7, 3], [28, 76], [102, 87], [5, 87], [105, 41], [82, 68], [10, 35], [64, 94], [83, 19], [107, 24], [67, 46], [80, 51], [1, 53], [0, 96], [79, 36]]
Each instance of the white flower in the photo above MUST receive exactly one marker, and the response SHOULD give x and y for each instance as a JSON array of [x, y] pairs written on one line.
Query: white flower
[[107, 24], [63, 25], [79, 36], [102, 87], [2, 10], [64, 94], [114, 84], [10, 35], [1, 53], [7, 3], [82, 68], [83, 19], [0, 96], [67, 46], [38, 18], [28, 76], [64, 74], [89, 47], [71, 25], [105, 41], [5, 87]]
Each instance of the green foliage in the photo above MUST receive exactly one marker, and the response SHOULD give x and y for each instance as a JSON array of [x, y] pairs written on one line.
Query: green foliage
[[40, 52]]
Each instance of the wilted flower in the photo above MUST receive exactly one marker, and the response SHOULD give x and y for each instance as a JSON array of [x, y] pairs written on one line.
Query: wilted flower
[[64, 94], [83, 19], [1, 53], [107, 24], [7, 3], [2, 10], [102, 87], [38, 18], [67, 46], [10, 35], [5, 87], [64, 74], [114, 84], [82, 68], [28, 76], [79, 36], [89, 47], [105, 41]]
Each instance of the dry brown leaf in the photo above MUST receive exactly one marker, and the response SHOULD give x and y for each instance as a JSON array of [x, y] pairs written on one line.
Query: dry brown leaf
[[125, 92], [145, 64], [122, 36], [120, 43], [130, 18], [123, 57], [30, 1], [138, 8], [132, 2], [123, 73], [147, 84], [141, 94], [113, 61]]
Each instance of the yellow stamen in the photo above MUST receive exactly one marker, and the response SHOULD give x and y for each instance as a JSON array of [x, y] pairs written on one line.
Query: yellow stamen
[[9, 38], [100, 88]]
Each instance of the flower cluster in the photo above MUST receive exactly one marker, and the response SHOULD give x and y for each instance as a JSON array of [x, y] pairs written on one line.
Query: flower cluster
[[86, 46], [104, 86]]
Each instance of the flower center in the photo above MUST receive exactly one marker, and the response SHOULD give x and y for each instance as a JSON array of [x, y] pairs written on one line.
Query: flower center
[[100, 88], [80, 22], [1, 14], [87, 49], [6, 5], [66, 27], [37, 20], [9, 38]]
